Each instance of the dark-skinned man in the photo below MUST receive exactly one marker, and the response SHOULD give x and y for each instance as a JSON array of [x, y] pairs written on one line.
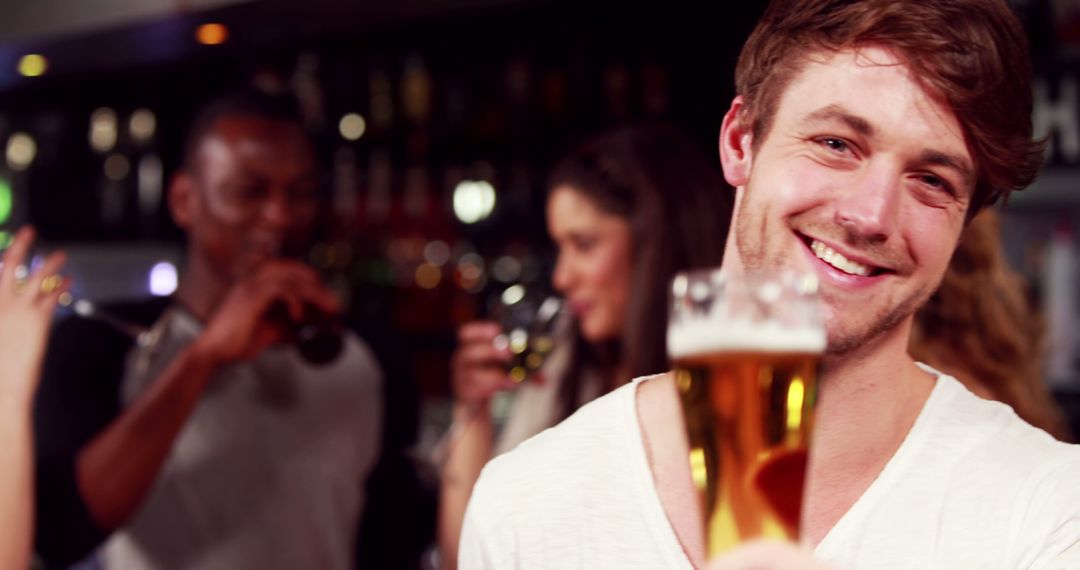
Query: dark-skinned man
[[215, 445]]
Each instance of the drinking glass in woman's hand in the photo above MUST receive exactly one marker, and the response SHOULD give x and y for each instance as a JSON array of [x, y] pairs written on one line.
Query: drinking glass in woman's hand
[[527, 319], [493, 357]]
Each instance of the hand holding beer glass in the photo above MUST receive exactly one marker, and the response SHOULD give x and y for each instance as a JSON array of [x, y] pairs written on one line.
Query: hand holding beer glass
[[746, 353], [495, 357]]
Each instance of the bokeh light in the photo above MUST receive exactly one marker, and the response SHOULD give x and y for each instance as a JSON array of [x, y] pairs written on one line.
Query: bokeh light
[[142, 125], [21, 150], [437, 253], [33, 65], [103, 129], [513, 295], [6, 201], [211, 34], [428, 276], [470, 274], [163, 279], [506, 269], [474, 200], [352, 126]]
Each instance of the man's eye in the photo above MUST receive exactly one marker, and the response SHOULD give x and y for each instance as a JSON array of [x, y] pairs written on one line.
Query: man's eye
[[246, 192], [834, 144], [935, 182]]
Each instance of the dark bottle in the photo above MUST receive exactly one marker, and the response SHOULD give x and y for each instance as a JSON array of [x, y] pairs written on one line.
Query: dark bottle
[[320, 343], [319, 337]]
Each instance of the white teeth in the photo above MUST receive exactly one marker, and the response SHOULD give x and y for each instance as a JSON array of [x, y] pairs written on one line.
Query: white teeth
[[835, 259]]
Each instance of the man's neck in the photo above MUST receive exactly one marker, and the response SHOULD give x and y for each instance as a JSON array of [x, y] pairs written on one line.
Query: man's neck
[[201, 288], [867, 404]]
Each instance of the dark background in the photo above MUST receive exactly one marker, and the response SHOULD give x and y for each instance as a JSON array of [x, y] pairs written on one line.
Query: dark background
[[489, 90], [508, 86]]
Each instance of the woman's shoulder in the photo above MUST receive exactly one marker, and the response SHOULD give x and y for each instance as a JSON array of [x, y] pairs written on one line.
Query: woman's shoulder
[[590, 439]]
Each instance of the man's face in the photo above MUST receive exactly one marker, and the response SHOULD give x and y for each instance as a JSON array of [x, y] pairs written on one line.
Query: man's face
[[863, 180], [253, 193]]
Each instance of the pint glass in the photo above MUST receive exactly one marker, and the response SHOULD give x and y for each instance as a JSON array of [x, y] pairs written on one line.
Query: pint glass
[[746, 353]]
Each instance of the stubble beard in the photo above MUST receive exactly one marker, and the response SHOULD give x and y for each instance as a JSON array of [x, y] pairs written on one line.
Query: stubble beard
[[861, 334], [846, 335]]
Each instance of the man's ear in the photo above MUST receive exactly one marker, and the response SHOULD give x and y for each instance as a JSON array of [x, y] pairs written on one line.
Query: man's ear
[[736, 143], [182, 199]]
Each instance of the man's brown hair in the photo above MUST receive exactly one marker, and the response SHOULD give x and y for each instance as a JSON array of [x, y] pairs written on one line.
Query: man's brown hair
[[971, 53]]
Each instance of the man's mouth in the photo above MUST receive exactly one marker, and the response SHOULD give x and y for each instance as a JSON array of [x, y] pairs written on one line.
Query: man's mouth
[[838, 261], [264, 248]]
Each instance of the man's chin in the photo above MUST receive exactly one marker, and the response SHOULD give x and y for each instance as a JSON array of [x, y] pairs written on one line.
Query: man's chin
[[848, 339]]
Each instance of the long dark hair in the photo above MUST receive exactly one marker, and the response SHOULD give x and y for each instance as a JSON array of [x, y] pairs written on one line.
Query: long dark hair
[[981, 327], [679, 210]]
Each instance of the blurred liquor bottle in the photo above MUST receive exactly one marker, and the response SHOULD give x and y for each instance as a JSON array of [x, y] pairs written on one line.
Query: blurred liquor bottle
[[1059, 294], [381, 101], [305, 84]]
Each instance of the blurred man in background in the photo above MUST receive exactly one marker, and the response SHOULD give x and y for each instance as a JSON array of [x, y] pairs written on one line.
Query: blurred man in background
[[214, 444]]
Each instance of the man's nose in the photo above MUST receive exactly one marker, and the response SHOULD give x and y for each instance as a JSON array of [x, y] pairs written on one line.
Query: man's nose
[[869, 209], [277, 210]]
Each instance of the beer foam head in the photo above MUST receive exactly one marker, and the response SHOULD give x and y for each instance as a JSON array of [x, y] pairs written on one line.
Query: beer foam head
[[698, 335], [764, 312]]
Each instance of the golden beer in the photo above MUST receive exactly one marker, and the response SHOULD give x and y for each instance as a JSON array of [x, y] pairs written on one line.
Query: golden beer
[[746, 355], [749, 418]]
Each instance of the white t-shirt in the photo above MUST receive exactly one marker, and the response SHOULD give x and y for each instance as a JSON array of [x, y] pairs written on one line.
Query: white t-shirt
[[268, 471], [972, 486]]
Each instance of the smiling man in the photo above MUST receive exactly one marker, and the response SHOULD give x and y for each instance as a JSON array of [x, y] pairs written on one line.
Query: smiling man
[[215, 444], [864, 136]]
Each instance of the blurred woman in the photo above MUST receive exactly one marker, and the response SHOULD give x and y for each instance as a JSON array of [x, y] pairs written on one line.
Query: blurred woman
[[626, 210], [981, 328], [26, 307]]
